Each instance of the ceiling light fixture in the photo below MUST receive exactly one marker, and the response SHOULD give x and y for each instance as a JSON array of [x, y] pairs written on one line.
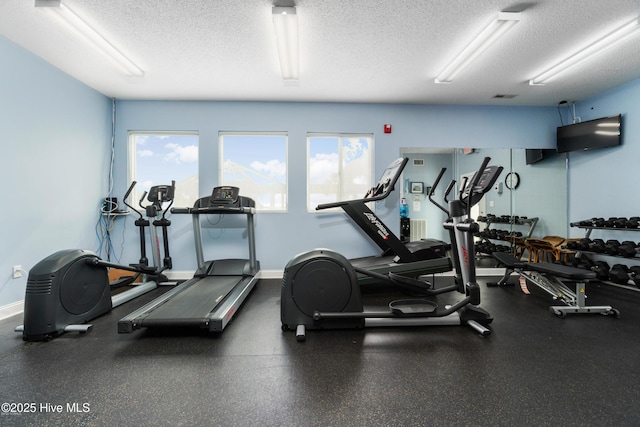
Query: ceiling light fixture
[[67, 18], [498, 27], [607, 42], [285, 24]]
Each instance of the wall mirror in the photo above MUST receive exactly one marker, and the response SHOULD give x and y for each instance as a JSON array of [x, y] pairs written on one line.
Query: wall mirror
[[534, 193]]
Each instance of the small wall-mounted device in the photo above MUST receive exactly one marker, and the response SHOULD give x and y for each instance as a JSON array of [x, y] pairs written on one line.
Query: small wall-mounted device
[[110, 204], [498, 187]]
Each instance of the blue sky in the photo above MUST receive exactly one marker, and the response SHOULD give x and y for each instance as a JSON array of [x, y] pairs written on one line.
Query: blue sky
[[162, 158], [265, 154]]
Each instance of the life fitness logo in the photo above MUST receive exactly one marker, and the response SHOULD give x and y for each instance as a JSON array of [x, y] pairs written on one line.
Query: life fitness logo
[[382, 231], [465, 255]]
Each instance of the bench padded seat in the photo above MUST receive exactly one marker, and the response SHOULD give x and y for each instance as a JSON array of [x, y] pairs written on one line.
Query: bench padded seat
[[558, 270]]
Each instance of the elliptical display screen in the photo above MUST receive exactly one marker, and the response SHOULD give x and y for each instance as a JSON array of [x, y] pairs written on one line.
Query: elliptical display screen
[[484, 184]]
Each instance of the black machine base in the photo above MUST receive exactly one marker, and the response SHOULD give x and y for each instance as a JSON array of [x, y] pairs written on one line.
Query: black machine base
[[320, 290], [64, 289]]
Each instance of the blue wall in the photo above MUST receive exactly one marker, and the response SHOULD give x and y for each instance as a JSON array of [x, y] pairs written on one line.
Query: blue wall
[[55, 142], [603, 183], [57, 135], [282, 235]]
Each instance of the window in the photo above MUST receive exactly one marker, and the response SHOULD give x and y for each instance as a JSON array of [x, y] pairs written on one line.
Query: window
[[157, 158], [339, 167], [257, 164]]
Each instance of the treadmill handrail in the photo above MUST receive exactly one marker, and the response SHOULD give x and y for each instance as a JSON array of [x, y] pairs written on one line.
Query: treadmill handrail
[[387, 186], [215, 209]]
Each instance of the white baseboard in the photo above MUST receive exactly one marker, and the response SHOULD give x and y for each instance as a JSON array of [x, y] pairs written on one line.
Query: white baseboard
[[270, 274], [12, 309]]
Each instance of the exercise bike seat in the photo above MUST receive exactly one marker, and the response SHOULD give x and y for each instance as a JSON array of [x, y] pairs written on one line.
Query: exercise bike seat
[[558, 270]]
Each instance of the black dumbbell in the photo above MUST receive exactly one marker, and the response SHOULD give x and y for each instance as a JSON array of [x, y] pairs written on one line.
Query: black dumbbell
[[627, 249], [597, 245], [620, 222], [584, 263], [573, 244], [611, 247], [633, 222], [575, 260], [583, 244], [619, 273], [598, 222], [601, 268]]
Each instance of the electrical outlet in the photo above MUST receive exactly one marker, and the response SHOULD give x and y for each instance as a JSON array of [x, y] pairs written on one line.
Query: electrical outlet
[[17, 271]]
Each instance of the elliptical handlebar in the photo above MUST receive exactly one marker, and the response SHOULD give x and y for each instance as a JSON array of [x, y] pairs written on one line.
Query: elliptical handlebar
[[170, 195], [448, 190], [126, 196], [463, 187], [142, 200], [433, 191], [480, 171], [133, 184], [475, 180], [482, 182]]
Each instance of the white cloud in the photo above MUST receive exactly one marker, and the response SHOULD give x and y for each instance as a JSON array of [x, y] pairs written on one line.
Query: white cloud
[[271, 168], [323, 166], [145, 153], [181, 154]]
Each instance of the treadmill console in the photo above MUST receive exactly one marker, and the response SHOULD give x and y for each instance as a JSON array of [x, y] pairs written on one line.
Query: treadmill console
[[388, 179], [229, 196]]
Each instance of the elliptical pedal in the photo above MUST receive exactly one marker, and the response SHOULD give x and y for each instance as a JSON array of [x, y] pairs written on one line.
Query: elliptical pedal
[[412, 307]]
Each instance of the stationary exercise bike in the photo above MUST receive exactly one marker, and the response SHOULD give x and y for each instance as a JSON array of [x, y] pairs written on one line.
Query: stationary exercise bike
[[320, 288], [71, 287]]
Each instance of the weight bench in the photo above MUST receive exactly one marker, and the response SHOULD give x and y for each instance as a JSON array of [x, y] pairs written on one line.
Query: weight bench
[[549, 277]]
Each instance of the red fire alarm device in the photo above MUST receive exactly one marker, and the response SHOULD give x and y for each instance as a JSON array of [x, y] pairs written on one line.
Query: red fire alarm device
[[387, 128]]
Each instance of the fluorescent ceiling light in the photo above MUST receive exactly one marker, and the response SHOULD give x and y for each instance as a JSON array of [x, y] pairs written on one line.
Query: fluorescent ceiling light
[[503, 22], [612, 39], [67, 18], [608, 132], [285, 24]]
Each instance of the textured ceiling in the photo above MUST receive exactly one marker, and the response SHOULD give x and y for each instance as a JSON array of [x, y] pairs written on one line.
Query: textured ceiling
[[350, 51]]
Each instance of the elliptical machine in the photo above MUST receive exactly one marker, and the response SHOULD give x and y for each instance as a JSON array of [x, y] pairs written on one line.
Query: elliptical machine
[[320, 288], [158, 195], [71, 287]]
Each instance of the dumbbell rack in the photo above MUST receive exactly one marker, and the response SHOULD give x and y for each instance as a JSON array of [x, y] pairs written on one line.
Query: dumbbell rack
[[589, 229], [507, 236]]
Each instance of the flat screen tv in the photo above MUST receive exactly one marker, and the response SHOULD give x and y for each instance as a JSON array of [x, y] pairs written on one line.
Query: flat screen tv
[[534, 155], [598, 133]]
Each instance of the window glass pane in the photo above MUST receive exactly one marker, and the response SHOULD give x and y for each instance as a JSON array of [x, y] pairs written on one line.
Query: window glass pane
[[257, 164], [159, 158], [339, 168]]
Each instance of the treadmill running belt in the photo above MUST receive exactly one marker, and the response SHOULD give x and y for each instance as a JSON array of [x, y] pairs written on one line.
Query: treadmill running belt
[[195, 302]]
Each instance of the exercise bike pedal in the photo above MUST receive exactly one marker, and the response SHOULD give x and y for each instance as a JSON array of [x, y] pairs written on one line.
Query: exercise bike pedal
[[412, 307]]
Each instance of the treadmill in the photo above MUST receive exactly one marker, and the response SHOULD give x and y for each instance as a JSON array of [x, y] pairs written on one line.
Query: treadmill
[[213, 296], [426, 256]]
